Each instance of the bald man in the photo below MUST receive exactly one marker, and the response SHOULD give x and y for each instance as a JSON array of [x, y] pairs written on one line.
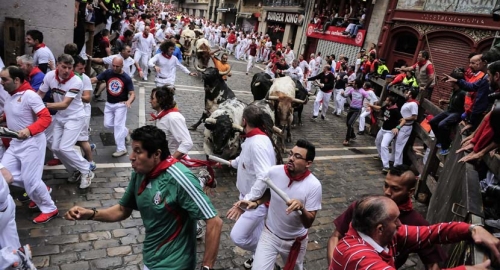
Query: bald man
[[120, 95], [399, 186]]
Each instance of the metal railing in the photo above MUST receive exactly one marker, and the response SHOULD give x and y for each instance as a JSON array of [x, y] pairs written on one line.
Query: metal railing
[[283, 2]]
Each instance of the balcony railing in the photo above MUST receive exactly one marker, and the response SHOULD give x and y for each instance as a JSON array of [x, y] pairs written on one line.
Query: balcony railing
[[276, 3]]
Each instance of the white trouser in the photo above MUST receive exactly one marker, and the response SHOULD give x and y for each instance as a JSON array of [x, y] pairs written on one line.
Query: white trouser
[[9, 236], [399, 144], [362, 118], [250, 63], [109, 21], [271, 246], [248, 228], [230, 47], [265, 55], [339, 101], [66, 133], [49, 135], [242, 53], [9, 257], [115, 117], [382, 141], [142, 59], [24, 159], [84, 135], [322, 96], [237, 51]]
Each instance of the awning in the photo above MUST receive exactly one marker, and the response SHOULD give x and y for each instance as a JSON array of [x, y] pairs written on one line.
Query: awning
[[247, 15]]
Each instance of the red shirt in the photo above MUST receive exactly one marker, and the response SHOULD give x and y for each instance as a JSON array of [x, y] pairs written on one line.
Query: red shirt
[[253, 49], [399, 78], [429, 255], [231, 39], [279, 46], [354, 253]]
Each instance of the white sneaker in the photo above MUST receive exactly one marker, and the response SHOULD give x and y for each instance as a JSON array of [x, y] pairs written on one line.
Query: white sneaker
[[86, 180], [127, 139], [120, 153], [75, 177]]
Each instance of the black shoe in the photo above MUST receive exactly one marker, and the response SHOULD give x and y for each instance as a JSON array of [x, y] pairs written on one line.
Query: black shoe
[[323, 117], [248, 264], [353, 137], [23, 197], [361, 133]]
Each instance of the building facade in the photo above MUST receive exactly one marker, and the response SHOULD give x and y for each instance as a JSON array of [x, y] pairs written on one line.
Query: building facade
[[449, 30], [196, 8]]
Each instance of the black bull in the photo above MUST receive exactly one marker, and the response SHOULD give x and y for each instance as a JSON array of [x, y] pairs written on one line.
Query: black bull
[[216, 92], [261, 83]]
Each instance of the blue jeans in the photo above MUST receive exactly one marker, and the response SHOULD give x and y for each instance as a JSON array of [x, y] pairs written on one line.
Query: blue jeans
[[441, 125]]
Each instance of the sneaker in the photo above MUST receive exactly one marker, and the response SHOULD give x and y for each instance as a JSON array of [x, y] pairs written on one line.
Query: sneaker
[[86, 180], [92, 166], [362, 132], [120, 153], [54, 162], [127, 139], [74, 177], [248, 264], [323, 117], [314, 118], [92, 146], [45, 217], [385, 170], [145, 79], [200, 229], [23, 197], [25, 262], [376, 157], [438, 145], [32, 205], [444, 152]]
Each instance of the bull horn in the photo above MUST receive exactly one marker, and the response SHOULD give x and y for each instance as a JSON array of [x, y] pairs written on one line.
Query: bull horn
[[197, 67], [296, 100], [226, 72], [277, 130], [211, 121], [273, 98], [238, 127], [256, 84]]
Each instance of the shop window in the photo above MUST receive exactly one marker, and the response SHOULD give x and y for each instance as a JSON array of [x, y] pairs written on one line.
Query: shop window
[[406, 43]]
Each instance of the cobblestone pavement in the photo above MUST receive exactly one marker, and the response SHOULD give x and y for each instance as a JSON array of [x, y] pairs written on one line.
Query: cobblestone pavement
[[346, 174]]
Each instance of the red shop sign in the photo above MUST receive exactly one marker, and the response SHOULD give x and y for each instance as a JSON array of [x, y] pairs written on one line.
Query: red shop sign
[[334, 34]]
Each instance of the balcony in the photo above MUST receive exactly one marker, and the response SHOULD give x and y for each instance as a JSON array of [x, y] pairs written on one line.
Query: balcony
[[283, 3]]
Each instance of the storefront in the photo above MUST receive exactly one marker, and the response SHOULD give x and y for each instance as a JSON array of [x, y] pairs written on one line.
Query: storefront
[[285, 26], [448, 36], [332, 41]]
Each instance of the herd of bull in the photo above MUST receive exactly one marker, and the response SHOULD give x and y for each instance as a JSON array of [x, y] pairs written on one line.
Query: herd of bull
[[279, 98]]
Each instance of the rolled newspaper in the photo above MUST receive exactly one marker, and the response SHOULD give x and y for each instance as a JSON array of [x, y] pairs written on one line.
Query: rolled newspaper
[[8, 133], [220, 160], [280, 192]]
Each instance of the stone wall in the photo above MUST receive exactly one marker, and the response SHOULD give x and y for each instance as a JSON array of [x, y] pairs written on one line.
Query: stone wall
[[54, 18], [376, 22]]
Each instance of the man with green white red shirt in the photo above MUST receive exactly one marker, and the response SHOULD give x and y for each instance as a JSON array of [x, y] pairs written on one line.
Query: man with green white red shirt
[[170, 200]]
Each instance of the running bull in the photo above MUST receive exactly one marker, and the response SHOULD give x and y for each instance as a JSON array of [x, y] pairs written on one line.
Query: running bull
[[216, 92]]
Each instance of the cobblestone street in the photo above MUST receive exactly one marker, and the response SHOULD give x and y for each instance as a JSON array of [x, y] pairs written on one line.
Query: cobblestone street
[[346, 174]]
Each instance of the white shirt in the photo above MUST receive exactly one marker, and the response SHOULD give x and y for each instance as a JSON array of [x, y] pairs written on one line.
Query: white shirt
[[289, 57], [407, 110], [125, 24], [256, 157], [304, 65], [72, 89], [4, 192], [167, 68], [269, 45], [170, 32], [2, 65], [3, 97], [313, 68], [140, 25], [295, 73], [87, 86], [160, 36], [43, 56], [127, 63], [319, 61], [144, 45], [21, 109], [357, 65], [307, 191], [372, 98], [269, 69], [174, 126]]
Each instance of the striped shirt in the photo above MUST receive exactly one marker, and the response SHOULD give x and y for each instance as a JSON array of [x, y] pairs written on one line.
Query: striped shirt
[[353, 252]]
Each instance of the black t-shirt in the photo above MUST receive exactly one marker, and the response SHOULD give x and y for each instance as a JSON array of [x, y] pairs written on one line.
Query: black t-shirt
[[391, 117], [340, 84], [117, 85]]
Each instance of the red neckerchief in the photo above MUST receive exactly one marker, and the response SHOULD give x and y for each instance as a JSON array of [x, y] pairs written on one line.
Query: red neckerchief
[[163, 113], [407, 206], [253, 132], [159, 169], [122, 38], [413, 100], [394, 106], [166, 55], [34, 71], [145, 36], [25, 86], [287, 51], [64, 81], [41, 45], [299, 177], [105, 39]]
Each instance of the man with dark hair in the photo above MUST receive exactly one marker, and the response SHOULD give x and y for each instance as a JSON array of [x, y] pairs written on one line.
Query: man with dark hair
[[256, 157], [26, 114], [424, 72], [160, 186], [326, 80], [376, 236], [409, 111], [393, 121], [287, 222], [122, 41], [222, 65], [33, 74], [170, 120], [104, 44], [443, 123], [120, 95], [42, 55], [68, 122], [358, 95], [166, 65], [399, 185], [366, 111], [145, 45]]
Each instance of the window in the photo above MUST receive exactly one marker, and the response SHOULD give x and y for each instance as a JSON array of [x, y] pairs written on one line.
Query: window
[[406, 43]]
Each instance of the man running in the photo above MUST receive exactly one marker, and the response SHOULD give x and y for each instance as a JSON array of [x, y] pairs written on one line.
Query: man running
[[145, 45], [166, 65]]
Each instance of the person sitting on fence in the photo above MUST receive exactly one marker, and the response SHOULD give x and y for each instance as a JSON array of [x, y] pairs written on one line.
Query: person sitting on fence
[[398, 79], [481, 141], [443, 123], [399, 185]]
